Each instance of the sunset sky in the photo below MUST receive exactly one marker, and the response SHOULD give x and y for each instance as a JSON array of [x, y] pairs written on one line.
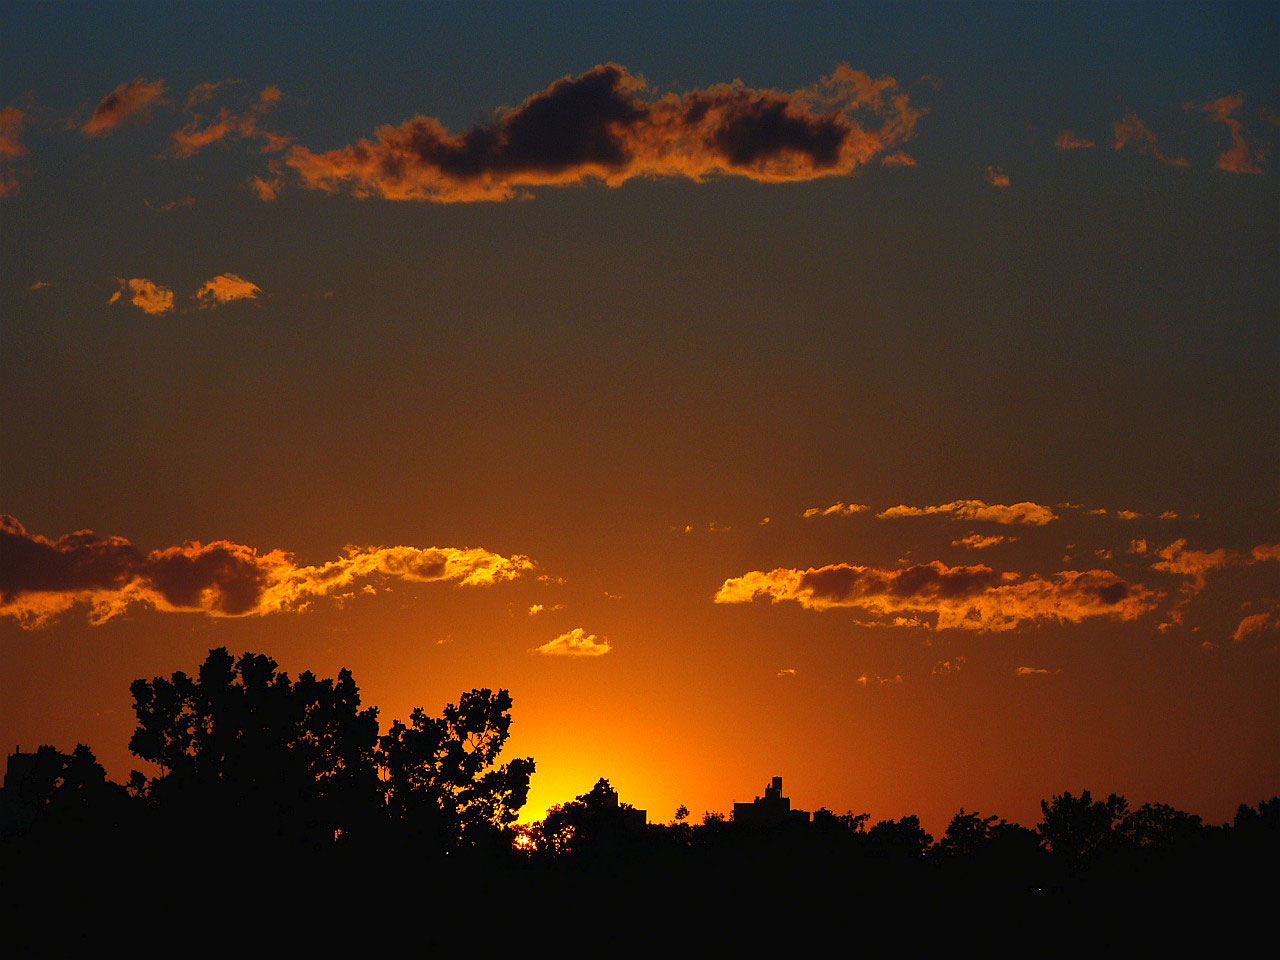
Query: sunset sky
[[882, 396]]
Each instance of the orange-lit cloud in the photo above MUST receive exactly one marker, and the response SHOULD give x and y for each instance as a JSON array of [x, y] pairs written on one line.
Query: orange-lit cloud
[[874, 679], [42, 578], [201, 131], [266, 190], [1193, 564], [1256, 625], [1031, 672], [835, 510], [11, 147], [149, 297], [599, 126], [575, 643], [1067, 140], [966, 597], [120, 104], [945, 668], [997, 177], [224, 288], [12, 121], [899, 158], [1032, 514], [976, 541], [1239, 157], [1131, 132], [168, 206]]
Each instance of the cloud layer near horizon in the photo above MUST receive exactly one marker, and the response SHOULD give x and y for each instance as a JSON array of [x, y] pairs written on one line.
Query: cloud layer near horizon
[[41, 578], [962, 597], [597, 125], [1032, 514]]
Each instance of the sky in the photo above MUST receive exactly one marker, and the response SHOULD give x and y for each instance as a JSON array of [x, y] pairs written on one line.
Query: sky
[[878, 395]]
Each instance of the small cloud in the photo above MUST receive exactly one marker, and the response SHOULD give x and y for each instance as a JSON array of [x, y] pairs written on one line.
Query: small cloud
[[996, 176], [1067, 140], [976, 541], [1129, 515], [224, 288], [125, 101], [1031, 514], [169, 205], [835, 510], [40, 285], [945, 668], [1031, 672], [786, 672], [899, 158], [266, 190], [1256, 625], [874, 679], [11, 147], [150, 298], [535, 609], [1132, 133], [1138, 546], [576, 643], [1238, 157], [764, 522]]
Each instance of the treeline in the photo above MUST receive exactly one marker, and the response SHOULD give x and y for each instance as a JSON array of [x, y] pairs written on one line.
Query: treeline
[[268, 783]]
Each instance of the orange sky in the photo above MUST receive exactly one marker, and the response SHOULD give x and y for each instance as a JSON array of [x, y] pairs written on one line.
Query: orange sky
[[819, 402]]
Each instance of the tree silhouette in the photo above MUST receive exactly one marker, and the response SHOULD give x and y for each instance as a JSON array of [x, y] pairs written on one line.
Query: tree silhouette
[[596, 823], [1078, 828], [442, 786], [246, 747]]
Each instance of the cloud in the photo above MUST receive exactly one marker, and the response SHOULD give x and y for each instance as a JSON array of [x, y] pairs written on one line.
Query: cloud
[[150, 297], [1067, 140], [945, 668], [11, 147], [877, 680], [201, 131], [1256, 625], [1032, 514], [169, 206], [835, 510], [120, 104], [40, 285], [599, 126], [224, 288], [1133, 133], [1237, 158], [964, 597], [899, 158], [41, 578], [787, 672], [1031, 672], [996, 176], [976, 541], [11, 122], [576, 643], [266, 190]]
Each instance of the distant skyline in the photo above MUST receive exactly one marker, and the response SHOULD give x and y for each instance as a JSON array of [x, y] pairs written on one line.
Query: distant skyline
[[878, 395]]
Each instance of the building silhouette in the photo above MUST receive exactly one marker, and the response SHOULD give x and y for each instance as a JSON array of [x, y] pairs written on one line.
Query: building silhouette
[[770, 810]]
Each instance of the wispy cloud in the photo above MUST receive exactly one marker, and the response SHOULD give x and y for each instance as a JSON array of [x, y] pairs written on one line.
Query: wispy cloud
[[1239, 157], [1032, 514], [976, 541], [125, 101], [201, 131], [997, 177], [600, 126], [12, 121], [1257, 624], [1031, 672], [575, 643], [149, 297], [963, 597], [1067, 140], [1133, 134], [835, 510], [41, 578]]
